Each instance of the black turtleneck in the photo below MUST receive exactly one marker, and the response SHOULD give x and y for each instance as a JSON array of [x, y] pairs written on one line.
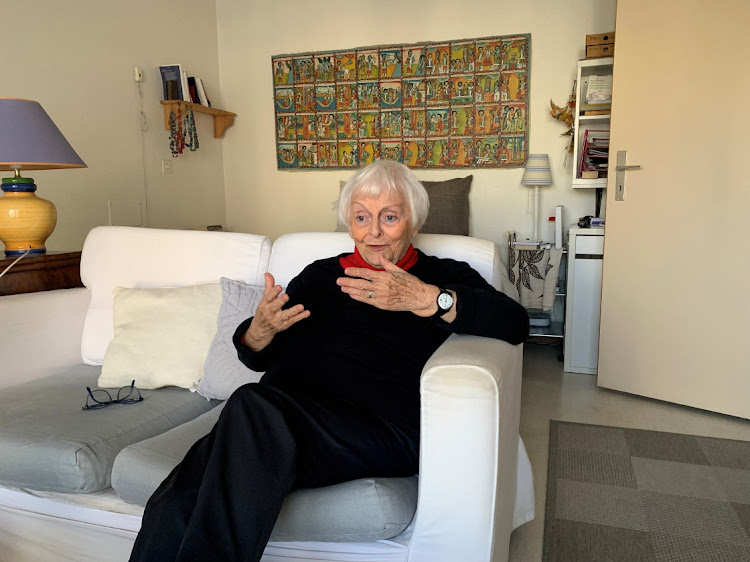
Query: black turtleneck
[[349, 350]]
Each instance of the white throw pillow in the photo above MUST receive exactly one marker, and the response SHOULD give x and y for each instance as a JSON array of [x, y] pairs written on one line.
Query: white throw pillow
[[161, 337], [223, 372]]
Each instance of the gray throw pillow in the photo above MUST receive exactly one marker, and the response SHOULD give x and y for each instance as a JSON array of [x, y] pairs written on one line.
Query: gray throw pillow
[[223, 373], [449, 207], [367, 509]]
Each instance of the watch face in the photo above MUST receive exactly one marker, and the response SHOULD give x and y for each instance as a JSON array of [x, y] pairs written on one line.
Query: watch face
[[445, 301]]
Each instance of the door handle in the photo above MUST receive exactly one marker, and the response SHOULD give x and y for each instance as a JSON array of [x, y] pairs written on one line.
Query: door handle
[[630, 167], [622, 167]]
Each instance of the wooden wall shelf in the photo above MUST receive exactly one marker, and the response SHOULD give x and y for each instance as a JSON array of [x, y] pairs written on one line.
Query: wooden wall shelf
[[222, 119]]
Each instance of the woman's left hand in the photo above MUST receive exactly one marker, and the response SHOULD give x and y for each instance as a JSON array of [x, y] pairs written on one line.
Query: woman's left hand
[[391, 289]]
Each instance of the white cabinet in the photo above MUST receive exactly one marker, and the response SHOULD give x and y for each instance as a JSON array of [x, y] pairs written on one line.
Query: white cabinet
[[583, 299], [586, 69]]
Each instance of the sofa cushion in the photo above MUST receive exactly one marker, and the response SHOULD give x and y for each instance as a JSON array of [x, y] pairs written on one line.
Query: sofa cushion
[[123, 256], [49, 443], [449, 206], [360, 510], [368, 509], [162, 336], [223, 372]]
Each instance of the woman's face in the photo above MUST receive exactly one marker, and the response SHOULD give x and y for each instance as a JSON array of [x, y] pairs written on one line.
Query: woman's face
[[380, 226]]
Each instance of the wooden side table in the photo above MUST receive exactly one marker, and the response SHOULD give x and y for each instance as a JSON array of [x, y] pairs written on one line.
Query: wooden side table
[[45, 272]]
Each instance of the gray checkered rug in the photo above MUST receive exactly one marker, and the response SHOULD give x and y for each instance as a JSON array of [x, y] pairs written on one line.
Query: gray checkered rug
[[616, 494]]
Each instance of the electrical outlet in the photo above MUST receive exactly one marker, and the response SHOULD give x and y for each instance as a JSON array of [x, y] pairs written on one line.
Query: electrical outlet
[[167, 166], [137, 74]]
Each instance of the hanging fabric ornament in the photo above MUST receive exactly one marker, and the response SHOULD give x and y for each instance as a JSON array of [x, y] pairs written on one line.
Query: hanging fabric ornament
[[180, 131], [176, 137], [173, 134], [191, 134]]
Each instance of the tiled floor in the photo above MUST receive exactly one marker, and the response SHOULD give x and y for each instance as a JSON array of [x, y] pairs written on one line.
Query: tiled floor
[[550, 393]]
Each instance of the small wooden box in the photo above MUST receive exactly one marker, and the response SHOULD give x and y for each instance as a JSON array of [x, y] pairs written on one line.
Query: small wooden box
[[600, 38], [598, 51]]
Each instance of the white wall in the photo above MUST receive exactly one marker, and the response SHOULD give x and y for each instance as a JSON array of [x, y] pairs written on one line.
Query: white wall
[[76, 58], [263, 200]]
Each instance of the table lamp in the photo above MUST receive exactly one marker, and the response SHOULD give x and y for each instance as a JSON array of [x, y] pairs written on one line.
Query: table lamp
[[537, 174], [29, 140]]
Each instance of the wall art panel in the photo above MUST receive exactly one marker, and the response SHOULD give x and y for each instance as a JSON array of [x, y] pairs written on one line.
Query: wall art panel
[[450, 104]]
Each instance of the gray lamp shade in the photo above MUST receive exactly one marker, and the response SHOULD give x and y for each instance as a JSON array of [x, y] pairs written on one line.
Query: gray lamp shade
[[30, 140], [537, 170]]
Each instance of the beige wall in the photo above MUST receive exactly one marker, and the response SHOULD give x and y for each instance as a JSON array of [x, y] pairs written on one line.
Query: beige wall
[[76, 58], [263, 200]]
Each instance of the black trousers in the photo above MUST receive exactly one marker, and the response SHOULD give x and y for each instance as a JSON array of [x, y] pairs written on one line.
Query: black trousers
[[221, 502]]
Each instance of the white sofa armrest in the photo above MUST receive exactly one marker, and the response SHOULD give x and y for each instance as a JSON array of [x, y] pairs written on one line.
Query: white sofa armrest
[[40, 333], [471, 399]]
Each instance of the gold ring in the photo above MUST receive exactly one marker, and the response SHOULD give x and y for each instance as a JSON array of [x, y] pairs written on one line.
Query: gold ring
[[369, 294]]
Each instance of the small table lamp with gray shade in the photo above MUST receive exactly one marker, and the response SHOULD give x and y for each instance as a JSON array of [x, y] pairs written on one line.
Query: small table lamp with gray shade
[[29, 140], [537, 174]]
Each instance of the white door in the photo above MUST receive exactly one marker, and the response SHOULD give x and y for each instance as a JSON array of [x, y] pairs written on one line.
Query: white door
[[675, 315]]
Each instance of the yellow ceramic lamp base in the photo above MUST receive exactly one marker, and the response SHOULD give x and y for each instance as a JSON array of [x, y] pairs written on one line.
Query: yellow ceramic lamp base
[[25, 219]]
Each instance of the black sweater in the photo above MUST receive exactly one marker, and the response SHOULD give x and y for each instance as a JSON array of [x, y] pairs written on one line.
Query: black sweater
[[348, 350]]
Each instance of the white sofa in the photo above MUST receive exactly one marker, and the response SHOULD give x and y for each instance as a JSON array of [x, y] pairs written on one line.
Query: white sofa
[[475, 483]]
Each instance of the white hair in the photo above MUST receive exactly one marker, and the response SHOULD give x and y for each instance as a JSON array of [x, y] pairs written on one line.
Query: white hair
[[386, 176]]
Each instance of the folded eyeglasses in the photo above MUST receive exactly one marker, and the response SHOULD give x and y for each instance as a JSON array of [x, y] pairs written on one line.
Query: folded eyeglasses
[[100, 398]]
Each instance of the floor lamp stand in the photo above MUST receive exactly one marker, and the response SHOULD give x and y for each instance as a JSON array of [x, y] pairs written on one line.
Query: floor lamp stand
[[536, 213]]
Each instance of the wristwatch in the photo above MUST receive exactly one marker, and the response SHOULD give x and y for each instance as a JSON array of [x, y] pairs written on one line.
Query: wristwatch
[[444, 302]]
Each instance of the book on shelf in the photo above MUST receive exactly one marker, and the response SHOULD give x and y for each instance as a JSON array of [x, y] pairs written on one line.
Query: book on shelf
[[589, 174], [185, 87], [202, 97], [597, 112], [592, 165], [595, 160], [193, 89], [595, 106], [594, 153], [171, 81], [538, 317], [599, 89]]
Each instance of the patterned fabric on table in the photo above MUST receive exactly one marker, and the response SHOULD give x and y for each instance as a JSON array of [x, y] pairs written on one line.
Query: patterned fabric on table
[[535, 273], [627, 494]]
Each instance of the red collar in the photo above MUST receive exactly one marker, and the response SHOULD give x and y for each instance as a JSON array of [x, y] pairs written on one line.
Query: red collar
[[356, 260]]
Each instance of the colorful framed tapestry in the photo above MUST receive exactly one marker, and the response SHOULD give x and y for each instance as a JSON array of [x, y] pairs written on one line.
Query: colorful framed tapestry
[[451, 104]]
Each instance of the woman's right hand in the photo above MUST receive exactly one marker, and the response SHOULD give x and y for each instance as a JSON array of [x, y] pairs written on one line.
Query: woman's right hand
[[270, 318]]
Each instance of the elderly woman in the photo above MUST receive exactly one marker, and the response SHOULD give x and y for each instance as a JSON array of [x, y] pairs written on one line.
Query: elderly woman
[[342, 351]]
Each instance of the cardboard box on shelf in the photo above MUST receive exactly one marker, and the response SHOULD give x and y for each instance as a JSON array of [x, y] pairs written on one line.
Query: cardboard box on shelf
[[599, 51], [600, 38]]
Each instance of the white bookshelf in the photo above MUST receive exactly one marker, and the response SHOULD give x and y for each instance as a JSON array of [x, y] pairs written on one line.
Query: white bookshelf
[[586, 69]]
